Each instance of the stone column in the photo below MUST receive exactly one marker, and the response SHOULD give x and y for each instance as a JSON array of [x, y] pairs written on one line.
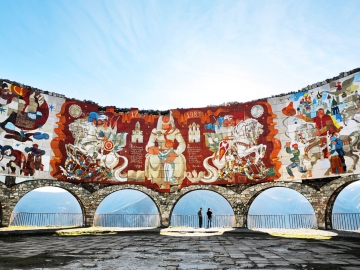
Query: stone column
[[240, 216], [89, 214], [5, 214], [8, 206], [319, 203], [164, 203], [10, 181]]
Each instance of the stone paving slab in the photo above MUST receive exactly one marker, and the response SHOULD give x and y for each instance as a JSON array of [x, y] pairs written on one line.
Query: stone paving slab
[[180, 249], [173, 249]]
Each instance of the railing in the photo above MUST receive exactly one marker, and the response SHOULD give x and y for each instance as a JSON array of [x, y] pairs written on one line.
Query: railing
[[127, 220], [217, 221], [46, 219], [282, 221], [346, 221]]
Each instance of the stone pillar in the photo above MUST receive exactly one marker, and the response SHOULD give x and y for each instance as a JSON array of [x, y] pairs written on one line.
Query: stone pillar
[[240, 221], [164, 214], [240, 218], [89, 215], [6, 213], [10, 181], [165, 219], [319, 203], [164, 203], [89, 220]]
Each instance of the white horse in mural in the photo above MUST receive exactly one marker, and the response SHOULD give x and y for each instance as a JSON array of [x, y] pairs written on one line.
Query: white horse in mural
[[110, 161], [242, 144], [246, 135], [87, 145]]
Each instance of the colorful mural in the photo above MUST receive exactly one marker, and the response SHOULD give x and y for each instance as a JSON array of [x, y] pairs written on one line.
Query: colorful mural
[[178, 148], [25, 131], [322, 130], [308, 134]]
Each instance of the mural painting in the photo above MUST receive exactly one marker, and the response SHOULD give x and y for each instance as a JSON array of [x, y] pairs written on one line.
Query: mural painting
[[24, 131], [322, 130], [174, 149], [309, 134]]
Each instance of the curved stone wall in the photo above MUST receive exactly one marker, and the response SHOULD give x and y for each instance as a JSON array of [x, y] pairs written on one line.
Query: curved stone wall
[[301, 140], [321, 197], [306, 135]]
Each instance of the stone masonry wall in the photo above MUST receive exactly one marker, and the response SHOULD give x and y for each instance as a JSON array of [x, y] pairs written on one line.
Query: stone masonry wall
[[321, 196]]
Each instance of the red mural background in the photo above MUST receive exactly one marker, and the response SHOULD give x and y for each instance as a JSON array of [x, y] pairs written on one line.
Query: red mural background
[[225, 145]]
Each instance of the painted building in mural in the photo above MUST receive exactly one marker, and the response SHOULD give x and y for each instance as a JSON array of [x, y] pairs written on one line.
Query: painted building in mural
[[309, 134]]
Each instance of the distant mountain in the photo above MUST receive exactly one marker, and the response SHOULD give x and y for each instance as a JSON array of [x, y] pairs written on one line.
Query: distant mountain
[[348, 201], [48, 202], [191, 203], [280, 201], [286, 201], [127, 202]]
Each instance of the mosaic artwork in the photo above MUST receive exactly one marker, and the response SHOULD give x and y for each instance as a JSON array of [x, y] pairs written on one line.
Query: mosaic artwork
[[178, 148], [308, 134], [25, 131], [322, 130]]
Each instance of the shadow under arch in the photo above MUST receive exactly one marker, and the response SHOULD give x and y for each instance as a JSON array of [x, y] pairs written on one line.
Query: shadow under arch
[[254, 191], [101, 195], [339, 185], [80, 194], [132, 219]]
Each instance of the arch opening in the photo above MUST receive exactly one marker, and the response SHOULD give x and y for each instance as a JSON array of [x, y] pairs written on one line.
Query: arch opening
[[47, 207], [127, 208], [186, 211], [346, 209], [281, 207]]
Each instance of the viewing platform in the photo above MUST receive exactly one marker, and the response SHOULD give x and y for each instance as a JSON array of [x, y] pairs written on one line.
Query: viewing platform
[[179, 248]]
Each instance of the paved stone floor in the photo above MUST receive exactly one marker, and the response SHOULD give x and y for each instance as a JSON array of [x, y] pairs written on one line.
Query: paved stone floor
[[179, 250]]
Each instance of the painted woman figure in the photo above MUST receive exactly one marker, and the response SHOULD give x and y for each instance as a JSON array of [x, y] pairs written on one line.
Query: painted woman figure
[[155, 163]]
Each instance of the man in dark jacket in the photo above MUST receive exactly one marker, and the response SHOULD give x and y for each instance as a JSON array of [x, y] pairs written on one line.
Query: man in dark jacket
[[209, 216], [200, 217]]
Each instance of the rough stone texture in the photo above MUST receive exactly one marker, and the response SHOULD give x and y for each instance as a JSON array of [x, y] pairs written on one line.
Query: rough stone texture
[[321, 197], [235, 249]]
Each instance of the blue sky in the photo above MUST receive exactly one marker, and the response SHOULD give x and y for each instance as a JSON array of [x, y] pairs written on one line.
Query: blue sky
[[176, 54]]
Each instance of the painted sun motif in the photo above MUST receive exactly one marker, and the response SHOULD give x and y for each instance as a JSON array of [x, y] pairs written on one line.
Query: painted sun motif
[[257, 111], [75, 110]]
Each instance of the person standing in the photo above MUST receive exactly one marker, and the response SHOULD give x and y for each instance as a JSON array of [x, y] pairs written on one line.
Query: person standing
[[200, 217], [209, 216]]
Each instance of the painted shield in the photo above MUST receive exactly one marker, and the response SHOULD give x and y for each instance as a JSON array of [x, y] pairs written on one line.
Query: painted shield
[[108, 145]]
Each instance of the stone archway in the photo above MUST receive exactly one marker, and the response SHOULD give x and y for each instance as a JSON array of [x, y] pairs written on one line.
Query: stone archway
[[321, 198], [100, 195], [15, 193], [250, 194], [230, 196], [333, 189]]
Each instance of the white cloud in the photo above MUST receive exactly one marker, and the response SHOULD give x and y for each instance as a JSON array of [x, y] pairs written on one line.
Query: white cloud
[[161, 55]]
